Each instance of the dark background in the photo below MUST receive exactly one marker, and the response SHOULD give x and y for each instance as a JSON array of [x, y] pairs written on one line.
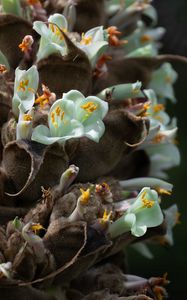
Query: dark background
[[172, 14]]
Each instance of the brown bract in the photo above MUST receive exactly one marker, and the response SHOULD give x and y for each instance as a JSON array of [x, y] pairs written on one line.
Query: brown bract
[[12, 31], [64, 73], [99, 159], [131, 69], [89, 14], [30, 165]]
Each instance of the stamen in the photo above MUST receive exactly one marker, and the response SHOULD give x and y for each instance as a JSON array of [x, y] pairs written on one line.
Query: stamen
[[106, 217], [102, 188], [27, 117], [113, 36], [147, 203], [163, 191], [85, 197], [168, 79], [26, 43], [177, 221], [53, 117], [57, 31], [145, 38], [58, 111], [86, 40], [158, 138], [36, 228], [3, 69], [46, 98], [90, 107], [158, 107], [22, 85]]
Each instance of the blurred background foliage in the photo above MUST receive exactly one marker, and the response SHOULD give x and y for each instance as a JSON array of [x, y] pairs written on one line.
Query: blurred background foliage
[[172, 14]]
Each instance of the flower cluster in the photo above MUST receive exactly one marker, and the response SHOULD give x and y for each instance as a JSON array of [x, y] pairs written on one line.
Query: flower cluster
[[86, 142]]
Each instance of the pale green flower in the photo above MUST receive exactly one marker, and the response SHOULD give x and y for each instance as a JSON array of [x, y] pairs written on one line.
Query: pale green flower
[[162, 82], [29, 233], [142, 37], [73, 116], [24, 125], [138, 183], [144, 213], [52, 40], [25, 87], [93, 43], [122, 91], [162, 158], [12, 7], [171, 218], [156, 111], [147, 50]]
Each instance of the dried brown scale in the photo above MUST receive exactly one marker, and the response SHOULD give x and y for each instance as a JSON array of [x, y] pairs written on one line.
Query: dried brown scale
[[14, 244], [41, 212], [3, 240], [8, 131], [135, 164], [8, 213], [2, 258], [89, 13], [28, 293], [5, 99], [16, 28], [63, 206], [107, 277], [24, 265], [126, 23], [99, 159], [72, 238], [32, 162], [131, 69], [55, 71]]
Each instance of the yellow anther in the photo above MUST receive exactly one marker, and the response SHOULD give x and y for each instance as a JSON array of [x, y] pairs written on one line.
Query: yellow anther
[[158, 138], [57, 31], [102, 188], [145, 38], [85, 196], [3, 69], [36, 228], [86, 40], [90, 107], [145, 202], [53, 117], [62, 115], [58, 111], [177, 217], [146, 106], [168, 79], [106, 217], [163, 191], [26, 43], [42, 101], [22, 85], [27, 117], [158, 107]]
